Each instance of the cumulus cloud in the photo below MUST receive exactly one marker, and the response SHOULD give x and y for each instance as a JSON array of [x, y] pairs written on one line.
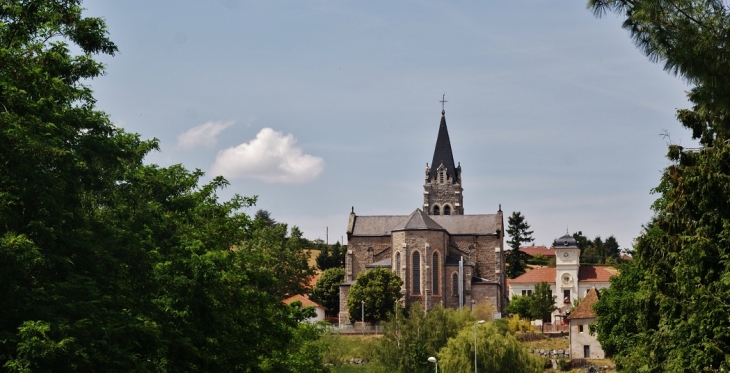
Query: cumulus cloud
[[202, 135], [271, 157]]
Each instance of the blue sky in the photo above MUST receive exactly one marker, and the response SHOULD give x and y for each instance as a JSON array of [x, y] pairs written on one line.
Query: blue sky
[[318, 106]]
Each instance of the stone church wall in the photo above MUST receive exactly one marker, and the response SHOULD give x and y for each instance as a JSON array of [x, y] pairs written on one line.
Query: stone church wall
[[366, 250]]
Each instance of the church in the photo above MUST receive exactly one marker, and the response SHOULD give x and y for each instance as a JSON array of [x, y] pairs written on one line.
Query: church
[[442, 255]]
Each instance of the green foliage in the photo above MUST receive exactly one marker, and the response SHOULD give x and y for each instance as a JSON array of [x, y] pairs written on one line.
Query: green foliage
[[107, 264], [670, 303], [410, 338], [520, 305], [330, 256], [539, 259], [518, 230], [379, 289], [327, 289], [543, 303], [517, 324], [496, 352]]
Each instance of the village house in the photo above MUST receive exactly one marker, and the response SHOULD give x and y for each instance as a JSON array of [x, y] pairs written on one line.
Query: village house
[[582, 343]]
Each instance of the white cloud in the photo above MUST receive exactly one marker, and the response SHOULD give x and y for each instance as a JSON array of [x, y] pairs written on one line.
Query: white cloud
[[202, 135], [271, 157]]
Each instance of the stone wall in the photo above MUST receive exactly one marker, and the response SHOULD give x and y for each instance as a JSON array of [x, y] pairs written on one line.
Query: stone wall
[[366, 250]]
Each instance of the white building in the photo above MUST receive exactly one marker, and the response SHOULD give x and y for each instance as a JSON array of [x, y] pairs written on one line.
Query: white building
[[582, 343], [568, 279]]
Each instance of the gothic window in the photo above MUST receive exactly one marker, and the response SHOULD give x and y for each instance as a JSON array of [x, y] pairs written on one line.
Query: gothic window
[[455, 284], [435, 272], [447, 210], [397, 264], [416, 272], [441, 177], [436, 210]]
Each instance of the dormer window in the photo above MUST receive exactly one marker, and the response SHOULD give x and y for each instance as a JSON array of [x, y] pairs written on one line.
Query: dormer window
[[441, 177]]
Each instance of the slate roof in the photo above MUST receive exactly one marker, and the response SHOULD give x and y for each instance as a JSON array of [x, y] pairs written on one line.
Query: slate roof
[[547, 274], [566, 241], [486, 224], [585, 308], [417, 220], [535, 250], [442, 153]]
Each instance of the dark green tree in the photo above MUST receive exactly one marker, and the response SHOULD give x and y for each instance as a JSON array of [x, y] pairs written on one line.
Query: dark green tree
[[327, 290], [680, 260], [107, 264], [379, 288], [611, 247], [518, 230], [542, 302], [520, 305], [331, 256]]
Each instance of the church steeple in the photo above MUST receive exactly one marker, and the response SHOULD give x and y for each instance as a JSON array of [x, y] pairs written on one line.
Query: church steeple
[[442, 191], [442, 154]]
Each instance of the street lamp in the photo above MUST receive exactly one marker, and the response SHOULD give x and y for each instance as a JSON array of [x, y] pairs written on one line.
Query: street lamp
[[475, 343], [433, 360], [362, 319]]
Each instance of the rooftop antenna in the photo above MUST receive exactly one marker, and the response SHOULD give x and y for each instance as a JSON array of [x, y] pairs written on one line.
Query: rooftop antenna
[[443, 101]]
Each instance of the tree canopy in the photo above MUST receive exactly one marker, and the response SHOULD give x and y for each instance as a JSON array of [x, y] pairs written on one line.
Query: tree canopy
[[674, 295], [518, 230], [327, 290], [379, 288], [108, 264]]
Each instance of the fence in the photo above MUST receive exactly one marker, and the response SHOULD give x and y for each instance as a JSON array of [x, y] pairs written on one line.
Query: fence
[[357, 328]]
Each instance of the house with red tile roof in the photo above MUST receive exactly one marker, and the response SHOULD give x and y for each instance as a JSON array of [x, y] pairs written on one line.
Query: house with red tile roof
[[568, 279], [306, 302], [533, 251], [582, 343]]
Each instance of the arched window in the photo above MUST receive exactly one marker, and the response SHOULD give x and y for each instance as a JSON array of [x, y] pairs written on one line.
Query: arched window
[[416, 272], [447, 210], [397, 264], [435, 266], [436, 210], [455, 284]]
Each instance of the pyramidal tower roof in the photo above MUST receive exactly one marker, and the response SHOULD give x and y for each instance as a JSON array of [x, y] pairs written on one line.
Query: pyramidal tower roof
[[443, 153], [417, 220]]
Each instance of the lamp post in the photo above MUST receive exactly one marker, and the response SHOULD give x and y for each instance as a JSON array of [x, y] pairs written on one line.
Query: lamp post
[[433, 360], [362, 303], [475, 343]]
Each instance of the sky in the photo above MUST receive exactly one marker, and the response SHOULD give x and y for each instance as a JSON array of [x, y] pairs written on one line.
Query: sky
[[317, 107]]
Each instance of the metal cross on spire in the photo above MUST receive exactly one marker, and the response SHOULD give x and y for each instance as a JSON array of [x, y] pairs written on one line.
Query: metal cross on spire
[[443, 101]]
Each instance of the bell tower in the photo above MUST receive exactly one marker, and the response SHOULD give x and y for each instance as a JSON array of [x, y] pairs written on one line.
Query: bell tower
[[442, 191]]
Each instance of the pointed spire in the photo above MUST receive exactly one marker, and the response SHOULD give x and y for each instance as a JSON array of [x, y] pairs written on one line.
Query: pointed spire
[[443, 153]]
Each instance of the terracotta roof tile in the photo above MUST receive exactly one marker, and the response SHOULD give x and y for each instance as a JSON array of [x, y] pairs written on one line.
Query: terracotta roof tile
[[547, 274], [534, 250], [306, 302], [595, 273], [536, 275], [585, 308]]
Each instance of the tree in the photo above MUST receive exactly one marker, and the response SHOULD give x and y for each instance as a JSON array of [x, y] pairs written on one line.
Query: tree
[[379, 288], [108, 264], [497, 351], [679, 321], [542, 303], [327, 290], [264, 217], [411, 336], [331, 256], [518, 230], [611, 247], [520, 305]]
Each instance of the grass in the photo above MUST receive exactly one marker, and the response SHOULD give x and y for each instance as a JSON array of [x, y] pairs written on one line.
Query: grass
[[560, 343], [342, 348]]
